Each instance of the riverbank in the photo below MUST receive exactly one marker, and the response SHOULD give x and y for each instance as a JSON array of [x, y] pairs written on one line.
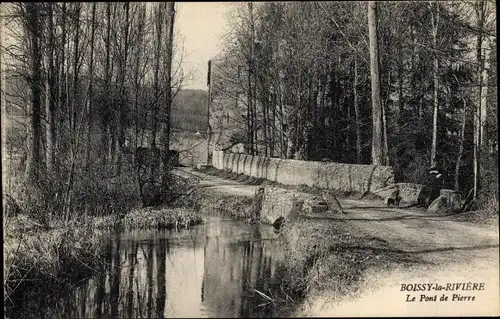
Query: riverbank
[[322, 258], [332, 261], [41, 257], [326, 260]]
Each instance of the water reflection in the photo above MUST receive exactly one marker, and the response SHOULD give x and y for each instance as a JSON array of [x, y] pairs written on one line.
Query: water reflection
[[209, 271]]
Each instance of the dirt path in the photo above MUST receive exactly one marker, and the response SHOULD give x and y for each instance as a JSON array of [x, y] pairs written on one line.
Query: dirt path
[[451, 250], [218, 184], [407, 229]]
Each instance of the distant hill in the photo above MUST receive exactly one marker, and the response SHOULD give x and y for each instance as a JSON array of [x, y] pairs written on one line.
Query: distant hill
[[189, 111]]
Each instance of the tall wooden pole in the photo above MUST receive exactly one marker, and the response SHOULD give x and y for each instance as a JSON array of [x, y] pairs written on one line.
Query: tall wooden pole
[[209, 102]]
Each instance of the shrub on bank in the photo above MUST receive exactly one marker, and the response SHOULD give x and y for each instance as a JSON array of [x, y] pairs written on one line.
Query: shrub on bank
[[49, 200], [151, 218]]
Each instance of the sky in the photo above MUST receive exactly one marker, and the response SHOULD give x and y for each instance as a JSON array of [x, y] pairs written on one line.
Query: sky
[[199, 26]]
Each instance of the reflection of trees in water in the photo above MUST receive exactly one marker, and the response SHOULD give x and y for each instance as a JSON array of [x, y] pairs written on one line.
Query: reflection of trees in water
[[231, 270], [133, 283], [256, 275], [161, 254], [149, 274], [114, 287], [132, 261], [101, 277], [116, 270]]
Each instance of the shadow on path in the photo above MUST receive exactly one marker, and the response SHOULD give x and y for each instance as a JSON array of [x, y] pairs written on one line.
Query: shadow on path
[[424, 251], [403, 217], [380, 207]]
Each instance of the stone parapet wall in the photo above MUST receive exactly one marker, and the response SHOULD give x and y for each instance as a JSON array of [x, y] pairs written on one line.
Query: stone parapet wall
[[336, 176]]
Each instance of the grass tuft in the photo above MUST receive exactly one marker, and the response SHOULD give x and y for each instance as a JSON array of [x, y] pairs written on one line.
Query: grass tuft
[[151, 218], [33, 255]]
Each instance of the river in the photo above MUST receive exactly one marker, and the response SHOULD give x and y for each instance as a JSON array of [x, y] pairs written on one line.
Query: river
[[210, 270]]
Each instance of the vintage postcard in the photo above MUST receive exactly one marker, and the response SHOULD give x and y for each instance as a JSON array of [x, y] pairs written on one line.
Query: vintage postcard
[[249, 159]]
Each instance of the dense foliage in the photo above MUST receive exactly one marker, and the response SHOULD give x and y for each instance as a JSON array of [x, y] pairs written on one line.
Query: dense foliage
[[300, 75], [83, 86]]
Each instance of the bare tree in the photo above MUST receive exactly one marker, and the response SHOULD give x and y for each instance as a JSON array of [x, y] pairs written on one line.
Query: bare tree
[[435, 27], [50, 92], [159, 20], [90, 88], [461, 145], [357, 112], [250, 92], [377, 150], [105, 125], [122, 74], [33, 26], [76, 69], [169, 26]]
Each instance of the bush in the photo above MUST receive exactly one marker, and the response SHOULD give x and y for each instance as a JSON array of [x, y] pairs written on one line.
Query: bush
[[147, 218]]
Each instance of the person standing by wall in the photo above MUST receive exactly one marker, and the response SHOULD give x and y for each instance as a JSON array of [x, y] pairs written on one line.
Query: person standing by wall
[[432, 187]]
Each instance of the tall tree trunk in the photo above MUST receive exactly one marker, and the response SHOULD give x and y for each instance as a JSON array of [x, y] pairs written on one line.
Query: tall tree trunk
[[50, 94], [254, 95], [461, 146], [250, 93], [297, 131], [377, 151], [413, 86], [400, 87], [168, 69], [34, 160], [62, 86], [386, 143], [90, 90], [485, 75], [357, 113], [319, 102], [480, 15], [264, 99], [282, 117], [75, 97], [156, 76], [105, 125], [120, 127], [249, 142], [273, 123], [435, 24], [385, 100], [137, 84], [348, 133]]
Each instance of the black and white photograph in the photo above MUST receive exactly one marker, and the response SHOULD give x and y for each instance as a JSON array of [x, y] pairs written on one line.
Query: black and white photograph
[[249, 159]]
